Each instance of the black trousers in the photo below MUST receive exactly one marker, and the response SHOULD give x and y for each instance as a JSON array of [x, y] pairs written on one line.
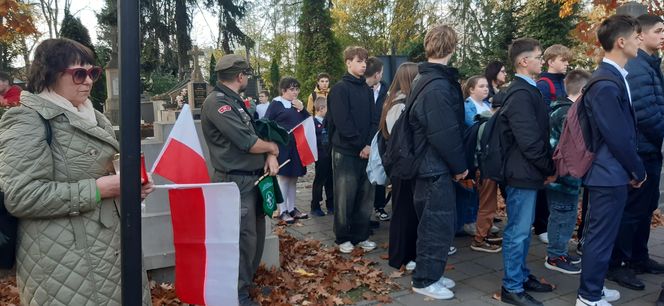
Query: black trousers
[[323, 179], [435, 204], [605, 209], [632, 241], [541, 222], [584, 208], [379, 199], [403, 226]]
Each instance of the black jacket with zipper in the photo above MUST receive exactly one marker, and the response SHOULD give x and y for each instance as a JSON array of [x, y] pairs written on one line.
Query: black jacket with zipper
[[524, 132], [437, 118]]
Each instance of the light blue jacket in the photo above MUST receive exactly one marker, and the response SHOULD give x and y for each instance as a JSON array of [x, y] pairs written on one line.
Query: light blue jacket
[[470, 110]]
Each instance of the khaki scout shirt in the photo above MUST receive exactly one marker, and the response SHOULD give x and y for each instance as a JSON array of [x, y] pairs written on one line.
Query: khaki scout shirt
[[229, 133]]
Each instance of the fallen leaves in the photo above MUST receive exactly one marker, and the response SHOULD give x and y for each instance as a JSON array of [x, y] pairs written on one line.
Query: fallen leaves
[[312, 274], [9, 291], [657, 219], [163, 294]]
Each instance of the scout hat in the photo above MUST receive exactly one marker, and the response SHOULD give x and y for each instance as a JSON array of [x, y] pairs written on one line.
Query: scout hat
[[232, 63]]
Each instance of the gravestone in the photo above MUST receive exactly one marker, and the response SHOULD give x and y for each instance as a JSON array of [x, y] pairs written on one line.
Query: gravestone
[[197, 88]]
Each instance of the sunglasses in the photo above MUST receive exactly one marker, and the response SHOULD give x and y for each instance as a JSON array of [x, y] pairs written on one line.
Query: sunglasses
[[79, 75]]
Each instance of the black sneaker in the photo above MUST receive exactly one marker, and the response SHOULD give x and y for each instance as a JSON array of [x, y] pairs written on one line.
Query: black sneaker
[[494, 238], [649, 266], [625, 277], [561, 264], [297, 214], [317, 212], [382, 215], [573, 259], [519, 299], [534, 285]]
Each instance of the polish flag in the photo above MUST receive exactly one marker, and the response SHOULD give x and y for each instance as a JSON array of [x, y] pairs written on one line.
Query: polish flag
[[305, 141], [206, 231], [181, 160]]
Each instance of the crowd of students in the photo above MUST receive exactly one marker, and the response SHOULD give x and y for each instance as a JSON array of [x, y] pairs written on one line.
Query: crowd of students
[[449, 191]]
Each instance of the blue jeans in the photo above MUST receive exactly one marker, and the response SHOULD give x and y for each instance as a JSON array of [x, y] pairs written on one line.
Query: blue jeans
[[562, 220], [516, 238]]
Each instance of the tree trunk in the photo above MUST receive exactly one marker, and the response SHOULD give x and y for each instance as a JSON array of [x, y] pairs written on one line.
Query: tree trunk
[[182, 26]]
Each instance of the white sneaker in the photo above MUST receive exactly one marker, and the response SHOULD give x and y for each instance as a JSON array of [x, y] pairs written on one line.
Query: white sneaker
[[436, 291], [452, 251], [610, 295], [410, 266], [346, 247], [470, 229], [583, 302], [367, 245], [446, 282], [495, 229], [544, 237]]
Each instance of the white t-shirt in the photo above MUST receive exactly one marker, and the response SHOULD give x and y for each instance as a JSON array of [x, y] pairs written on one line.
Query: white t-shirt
[[261, 109]]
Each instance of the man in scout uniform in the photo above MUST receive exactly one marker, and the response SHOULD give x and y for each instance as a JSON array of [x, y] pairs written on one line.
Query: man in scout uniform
[[239, 156]]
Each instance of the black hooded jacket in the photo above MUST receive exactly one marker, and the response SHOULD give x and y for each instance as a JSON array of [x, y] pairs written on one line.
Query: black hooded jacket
[[352, 118]]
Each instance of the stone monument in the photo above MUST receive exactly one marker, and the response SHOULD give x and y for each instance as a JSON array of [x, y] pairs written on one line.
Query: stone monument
[[197, 86]]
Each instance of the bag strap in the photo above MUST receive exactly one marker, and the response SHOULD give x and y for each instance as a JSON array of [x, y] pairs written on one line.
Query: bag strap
[[552, 88], [49, 131]]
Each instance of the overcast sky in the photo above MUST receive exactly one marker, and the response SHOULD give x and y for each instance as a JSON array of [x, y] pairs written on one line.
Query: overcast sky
[[201, 33]]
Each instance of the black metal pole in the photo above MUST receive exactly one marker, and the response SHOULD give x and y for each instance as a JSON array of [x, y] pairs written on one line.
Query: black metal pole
[[130, 150]]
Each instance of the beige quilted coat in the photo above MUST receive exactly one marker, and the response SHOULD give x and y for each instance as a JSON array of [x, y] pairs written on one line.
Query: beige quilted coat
[[68, 243]]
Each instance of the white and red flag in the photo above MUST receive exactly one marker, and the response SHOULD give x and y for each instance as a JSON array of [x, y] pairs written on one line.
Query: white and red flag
[[181, 161], [206, 231], [305, 141], [205, 218]]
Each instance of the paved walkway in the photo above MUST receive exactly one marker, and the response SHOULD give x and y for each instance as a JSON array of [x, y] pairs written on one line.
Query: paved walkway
[[477, 274]]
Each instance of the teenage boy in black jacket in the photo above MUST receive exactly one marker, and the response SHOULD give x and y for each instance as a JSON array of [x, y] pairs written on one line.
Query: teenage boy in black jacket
[[352, 122], [524, 135], [436, 119]]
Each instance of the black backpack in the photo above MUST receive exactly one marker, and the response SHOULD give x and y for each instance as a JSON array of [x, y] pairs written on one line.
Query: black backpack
[[471, 145], [490, 156], [400, 156], [9, 223]]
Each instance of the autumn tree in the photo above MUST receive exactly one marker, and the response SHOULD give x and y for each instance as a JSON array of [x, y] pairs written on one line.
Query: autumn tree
[[72, 28], [542, 21], [364, 23], [318, 49], [406, 24], [16, 22]]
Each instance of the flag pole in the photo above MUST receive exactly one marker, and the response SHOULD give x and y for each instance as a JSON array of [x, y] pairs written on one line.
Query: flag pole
[[130, 149], [266, 174]]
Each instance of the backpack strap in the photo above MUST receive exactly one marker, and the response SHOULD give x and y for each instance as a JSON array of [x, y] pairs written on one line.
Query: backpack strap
[[552, 88]]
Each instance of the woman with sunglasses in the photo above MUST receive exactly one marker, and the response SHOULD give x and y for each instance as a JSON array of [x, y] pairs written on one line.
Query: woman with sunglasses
[[57, 176]]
